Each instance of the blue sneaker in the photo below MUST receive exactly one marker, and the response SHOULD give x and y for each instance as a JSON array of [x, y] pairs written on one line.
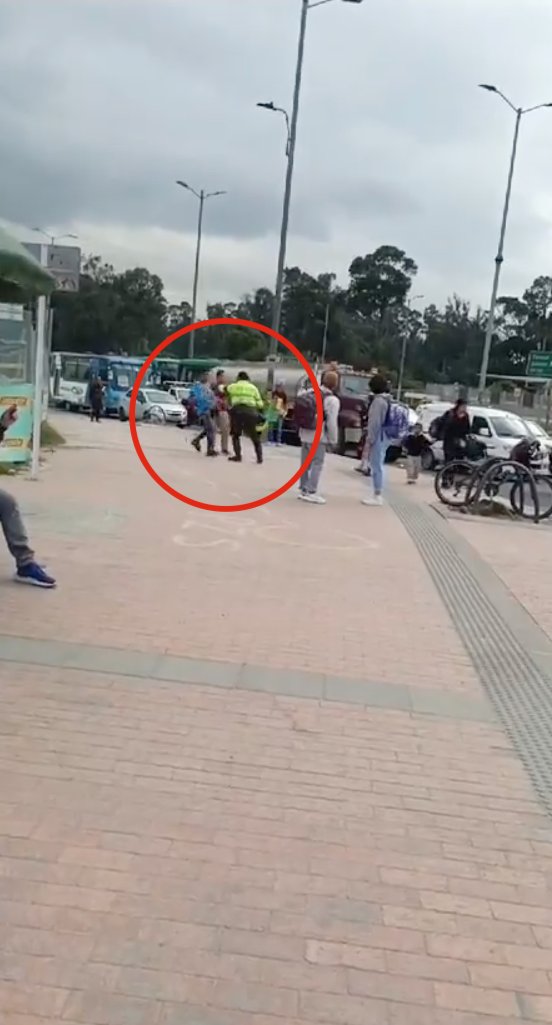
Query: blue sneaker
[[33, 574]]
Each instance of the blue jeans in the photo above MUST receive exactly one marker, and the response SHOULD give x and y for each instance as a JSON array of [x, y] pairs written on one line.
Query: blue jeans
[[378, 452], [311, 478], [276, 430]]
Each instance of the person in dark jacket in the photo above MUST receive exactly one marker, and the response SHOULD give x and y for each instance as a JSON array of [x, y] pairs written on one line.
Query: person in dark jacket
[[455, 429], [96, 400]]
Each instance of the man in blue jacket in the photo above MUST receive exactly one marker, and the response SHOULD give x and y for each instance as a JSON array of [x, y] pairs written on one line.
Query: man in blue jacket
[[204, 400]]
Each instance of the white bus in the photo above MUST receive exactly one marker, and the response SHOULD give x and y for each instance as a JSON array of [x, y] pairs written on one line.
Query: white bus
[[69, 376]]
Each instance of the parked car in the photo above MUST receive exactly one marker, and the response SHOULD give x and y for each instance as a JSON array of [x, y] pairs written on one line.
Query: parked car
[[500, 431], [155, 405]]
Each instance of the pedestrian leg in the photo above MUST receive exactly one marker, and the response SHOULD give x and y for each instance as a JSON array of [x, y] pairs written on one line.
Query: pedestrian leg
[[410, 470], [377, 461], [235, 434], [304, 483], [196, 442], [224, 428], [250, 424], [316, 469], [210, 434], [279, 430], [14, 530], [417, 461]]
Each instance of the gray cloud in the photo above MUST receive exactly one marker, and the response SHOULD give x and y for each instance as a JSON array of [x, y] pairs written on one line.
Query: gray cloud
[[105, 104]]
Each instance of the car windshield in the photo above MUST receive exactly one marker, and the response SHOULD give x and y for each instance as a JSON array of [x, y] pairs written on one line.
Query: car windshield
[[509, 427], [159, 396], [354, 384], [535, 429]]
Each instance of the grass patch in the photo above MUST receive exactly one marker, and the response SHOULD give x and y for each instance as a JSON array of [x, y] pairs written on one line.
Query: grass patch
[[49, 437]]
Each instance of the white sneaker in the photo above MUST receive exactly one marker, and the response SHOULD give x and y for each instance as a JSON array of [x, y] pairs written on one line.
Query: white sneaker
[[376, 500], [314, 499]]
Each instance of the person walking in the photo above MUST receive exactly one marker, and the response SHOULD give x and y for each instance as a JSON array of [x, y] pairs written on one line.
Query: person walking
[[415, 444], [96, 400], [204, 401], [305, 419], [27, 569], [222, 416], [246, 413], [376, 438]]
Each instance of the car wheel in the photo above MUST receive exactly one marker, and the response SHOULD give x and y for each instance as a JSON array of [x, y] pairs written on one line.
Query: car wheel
[[428, 460], [156, 415]]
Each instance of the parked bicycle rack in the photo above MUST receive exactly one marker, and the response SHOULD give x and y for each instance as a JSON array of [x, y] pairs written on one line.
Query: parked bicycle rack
[[464, 485]]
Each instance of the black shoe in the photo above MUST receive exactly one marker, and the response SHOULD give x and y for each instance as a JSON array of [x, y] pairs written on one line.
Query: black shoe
[[212, 453], [259, 462], [234, 459], [196, 444]]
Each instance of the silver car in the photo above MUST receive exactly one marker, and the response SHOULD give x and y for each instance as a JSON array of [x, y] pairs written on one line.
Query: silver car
[[154, 405]]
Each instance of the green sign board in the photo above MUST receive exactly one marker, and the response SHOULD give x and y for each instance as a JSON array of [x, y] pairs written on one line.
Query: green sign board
[[539, 364]]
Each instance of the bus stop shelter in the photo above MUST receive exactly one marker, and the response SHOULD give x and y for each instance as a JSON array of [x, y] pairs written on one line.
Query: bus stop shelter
[[22, 280]]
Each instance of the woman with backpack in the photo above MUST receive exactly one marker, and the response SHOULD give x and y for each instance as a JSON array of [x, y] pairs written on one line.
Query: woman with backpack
[[387, 423]]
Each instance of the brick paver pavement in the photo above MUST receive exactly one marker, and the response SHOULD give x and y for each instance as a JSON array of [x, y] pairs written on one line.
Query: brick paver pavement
[[180, 855]]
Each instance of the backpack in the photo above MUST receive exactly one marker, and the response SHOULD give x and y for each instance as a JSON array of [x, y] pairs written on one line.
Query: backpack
[[304, 411], [396, 424], [436, 428]]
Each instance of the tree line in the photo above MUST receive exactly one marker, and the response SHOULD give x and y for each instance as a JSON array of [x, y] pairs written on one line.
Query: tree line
[[367, 321]]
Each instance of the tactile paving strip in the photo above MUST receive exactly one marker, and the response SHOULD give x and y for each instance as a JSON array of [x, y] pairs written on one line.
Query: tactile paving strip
[[519, 691]]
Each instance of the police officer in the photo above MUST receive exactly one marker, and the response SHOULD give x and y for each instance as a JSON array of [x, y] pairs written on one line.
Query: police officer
[[246, 412]]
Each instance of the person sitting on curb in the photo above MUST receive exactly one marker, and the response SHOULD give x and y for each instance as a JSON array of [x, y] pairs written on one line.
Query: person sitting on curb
[[27, 570], [246, 413]]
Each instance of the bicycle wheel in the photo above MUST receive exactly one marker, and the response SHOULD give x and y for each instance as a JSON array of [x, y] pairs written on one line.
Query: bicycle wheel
[[452, 483], [521, 500]]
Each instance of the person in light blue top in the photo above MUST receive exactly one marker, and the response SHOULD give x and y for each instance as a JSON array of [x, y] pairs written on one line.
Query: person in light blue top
[[204, 400]]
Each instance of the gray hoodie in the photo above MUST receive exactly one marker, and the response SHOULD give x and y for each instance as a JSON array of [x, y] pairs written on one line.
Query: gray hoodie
[[376, 418]]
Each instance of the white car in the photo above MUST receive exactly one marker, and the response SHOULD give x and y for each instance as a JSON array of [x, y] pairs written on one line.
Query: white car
[[154, 405], [498, 430]]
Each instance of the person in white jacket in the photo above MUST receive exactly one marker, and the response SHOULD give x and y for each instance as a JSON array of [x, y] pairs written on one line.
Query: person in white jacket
[[308, 488]]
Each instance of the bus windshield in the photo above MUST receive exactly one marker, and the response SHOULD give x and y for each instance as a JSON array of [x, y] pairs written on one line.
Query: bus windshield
[[75, 368], [124, 375]]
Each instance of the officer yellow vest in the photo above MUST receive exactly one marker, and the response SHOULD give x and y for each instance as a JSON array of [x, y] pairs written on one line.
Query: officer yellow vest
[[244, 393]]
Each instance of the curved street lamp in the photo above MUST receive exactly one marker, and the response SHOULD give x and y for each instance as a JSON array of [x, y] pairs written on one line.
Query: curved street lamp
[[290, 153], [499, 259]]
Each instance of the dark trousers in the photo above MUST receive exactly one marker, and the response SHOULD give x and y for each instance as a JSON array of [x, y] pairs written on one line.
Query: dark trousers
[[244, 420], [95, 413]]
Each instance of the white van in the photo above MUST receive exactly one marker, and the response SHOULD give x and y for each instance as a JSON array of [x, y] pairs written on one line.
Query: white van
[[499, 431]]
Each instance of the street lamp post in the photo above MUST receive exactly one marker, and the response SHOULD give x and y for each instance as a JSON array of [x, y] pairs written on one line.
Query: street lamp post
[[499, 259], [52, 239], [201, 196], [290, 152], [403, 349]]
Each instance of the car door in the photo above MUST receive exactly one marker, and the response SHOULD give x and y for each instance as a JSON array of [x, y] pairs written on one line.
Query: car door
[[481, 427], [141, 404]]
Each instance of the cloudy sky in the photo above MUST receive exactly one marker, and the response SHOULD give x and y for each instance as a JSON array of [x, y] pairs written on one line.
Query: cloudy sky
[[104, 103]]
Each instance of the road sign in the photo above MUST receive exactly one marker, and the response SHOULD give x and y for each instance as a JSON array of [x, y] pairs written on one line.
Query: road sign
[[63, 263], [539, 364]]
